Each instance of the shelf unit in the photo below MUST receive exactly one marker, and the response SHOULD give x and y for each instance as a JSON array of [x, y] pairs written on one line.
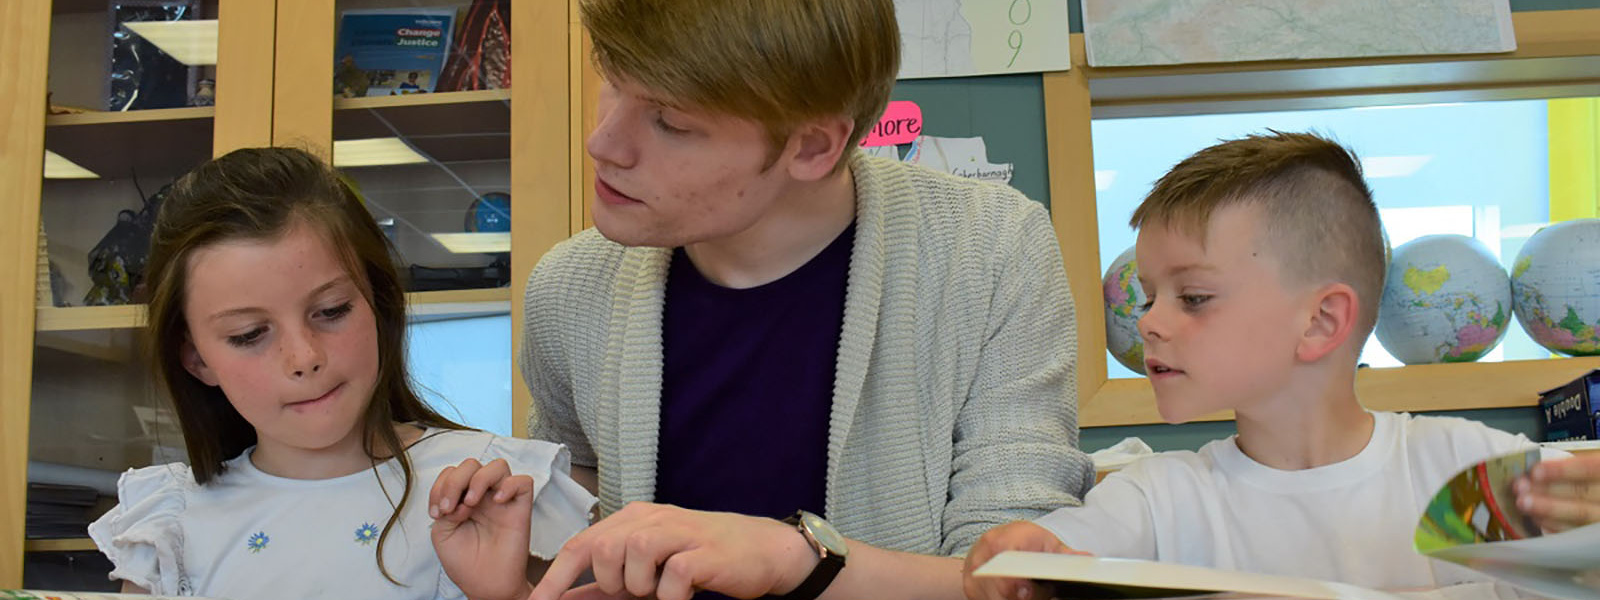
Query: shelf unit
[[422, 99], [60, 545], [280, 96]]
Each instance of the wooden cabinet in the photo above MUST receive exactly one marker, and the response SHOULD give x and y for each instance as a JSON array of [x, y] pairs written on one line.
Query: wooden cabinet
[[73, 387]]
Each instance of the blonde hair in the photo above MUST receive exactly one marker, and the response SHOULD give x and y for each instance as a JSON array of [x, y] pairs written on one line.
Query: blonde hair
[[1319, 218], [777, 62]]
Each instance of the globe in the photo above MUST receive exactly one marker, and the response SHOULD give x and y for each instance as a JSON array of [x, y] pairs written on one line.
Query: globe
[[1556, 283], [1446, 299], [490, 213], [1124, 298]]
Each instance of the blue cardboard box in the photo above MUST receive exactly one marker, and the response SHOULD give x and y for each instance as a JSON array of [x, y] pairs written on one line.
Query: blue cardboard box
[[1569, 412]]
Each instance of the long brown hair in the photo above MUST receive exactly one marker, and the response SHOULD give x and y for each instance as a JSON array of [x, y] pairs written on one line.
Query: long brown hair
[[258, 194]]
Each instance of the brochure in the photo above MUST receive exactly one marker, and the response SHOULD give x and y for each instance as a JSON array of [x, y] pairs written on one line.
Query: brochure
[[384, 52], [1473, 521]]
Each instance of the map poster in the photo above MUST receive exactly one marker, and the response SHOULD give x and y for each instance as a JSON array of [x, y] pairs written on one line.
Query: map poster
[[1123, 33]]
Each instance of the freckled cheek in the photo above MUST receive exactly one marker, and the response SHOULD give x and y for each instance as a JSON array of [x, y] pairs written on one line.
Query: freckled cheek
[[358, 344], [248, 382]]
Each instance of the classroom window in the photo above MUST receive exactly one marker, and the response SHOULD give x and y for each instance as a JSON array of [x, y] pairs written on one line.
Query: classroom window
[[1479, 169], [463, 369]]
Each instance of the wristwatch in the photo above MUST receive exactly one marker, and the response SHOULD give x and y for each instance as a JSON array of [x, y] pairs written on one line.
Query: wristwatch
[[831, 552]]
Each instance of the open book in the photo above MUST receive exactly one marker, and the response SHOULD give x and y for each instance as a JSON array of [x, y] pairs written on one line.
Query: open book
[[1092, 578], [1472, 521]]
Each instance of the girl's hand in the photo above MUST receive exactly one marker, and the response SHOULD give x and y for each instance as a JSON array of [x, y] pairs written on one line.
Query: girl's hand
[[480, 529], [1562, 494]]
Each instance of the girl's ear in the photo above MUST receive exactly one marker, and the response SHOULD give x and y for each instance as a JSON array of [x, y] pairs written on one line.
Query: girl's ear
[[195, 365]]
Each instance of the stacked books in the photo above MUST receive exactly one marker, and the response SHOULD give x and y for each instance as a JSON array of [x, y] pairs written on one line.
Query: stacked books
[[58, 511]]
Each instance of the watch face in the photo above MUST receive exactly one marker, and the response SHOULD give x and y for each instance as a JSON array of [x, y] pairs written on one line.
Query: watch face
[[825, 534]]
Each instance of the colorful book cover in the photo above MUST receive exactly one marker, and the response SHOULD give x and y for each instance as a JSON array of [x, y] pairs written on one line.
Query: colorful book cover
[[1473, 521], [391, 52]]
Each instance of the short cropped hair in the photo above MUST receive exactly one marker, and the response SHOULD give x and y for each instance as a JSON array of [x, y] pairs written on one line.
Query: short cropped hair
[[777, 62], [1319, 218]]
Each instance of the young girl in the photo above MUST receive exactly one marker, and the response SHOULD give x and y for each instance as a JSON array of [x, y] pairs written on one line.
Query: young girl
[[277, 323]]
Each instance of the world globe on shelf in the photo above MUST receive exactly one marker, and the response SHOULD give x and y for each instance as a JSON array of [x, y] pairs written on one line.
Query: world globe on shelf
[[490, 213], [1446, 299], [1124, 298], [1556, 284]]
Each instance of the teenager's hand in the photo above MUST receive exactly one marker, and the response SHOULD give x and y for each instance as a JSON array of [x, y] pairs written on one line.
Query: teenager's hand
[[669, 553], [1562, 494], [1018, 535], [480, 528]]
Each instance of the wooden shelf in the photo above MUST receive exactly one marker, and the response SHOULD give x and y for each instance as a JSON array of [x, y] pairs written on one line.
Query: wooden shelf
[[157, 145], [450, 127], [503, 95], [459, 302], [60, 545], [130, 116], [109, 345], [1415, 388], [78, 318]]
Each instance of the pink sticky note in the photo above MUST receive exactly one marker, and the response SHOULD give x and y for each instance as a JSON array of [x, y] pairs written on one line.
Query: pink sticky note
[[901, 123]]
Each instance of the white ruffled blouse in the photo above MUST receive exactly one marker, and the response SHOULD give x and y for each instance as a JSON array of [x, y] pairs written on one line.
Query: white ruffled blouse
[[249, 535]]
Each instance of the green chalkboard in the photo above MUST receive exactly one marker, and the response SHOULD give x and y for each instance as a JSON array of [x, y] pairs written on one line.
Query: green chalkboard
[[1006, 110], [1521, 5]]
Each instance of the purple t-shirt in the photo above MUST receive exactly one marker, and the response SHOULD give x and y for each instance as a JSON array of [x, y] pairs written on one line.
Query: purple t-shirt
[[747, 387]]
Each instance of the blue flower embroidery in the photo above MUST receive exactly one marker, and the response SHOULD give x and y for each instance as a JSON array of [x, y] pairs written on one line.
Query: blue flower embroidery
[[258, 542], [366, 533]]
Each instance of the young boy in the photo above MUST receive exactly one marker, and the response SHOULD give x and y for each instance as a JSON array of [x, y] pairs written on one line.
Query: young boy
[[1263, 259]]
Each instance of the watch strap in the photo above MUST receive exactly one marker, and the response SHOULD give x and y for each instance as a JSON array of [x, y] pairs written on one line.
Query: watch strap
[[828, 567]]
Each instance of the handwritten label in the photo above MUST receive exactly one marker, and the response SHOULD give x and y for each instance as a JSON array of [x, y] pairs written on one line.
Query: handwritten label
[[1018, 18], [901, 123]]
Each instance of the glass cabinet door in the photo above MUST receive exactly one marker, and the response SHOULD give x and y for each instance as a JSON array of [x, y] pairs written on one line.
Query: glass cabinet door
[[137, 96]]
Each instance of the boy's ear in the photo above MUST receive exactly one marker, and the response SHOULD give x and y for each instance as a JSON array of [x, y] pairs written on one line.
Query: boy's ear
[[816, 145], [1333, 320], [195, 365]]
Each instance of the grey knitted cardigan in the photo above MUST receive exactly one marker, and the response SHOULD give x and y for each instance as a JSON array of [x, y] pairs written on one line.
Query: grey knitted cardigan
[[954, 404]]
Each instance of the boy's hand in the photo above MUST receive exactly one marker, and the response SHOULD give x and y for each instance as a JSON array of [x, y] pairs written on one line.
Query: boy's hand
[[480, 530], [1562, 494], [1018, 535]]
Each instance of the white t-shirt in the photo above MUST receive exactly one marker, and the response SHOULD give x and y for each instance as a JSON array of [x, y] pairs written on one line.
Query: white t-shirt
[[1351, 521], [248, 534]]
